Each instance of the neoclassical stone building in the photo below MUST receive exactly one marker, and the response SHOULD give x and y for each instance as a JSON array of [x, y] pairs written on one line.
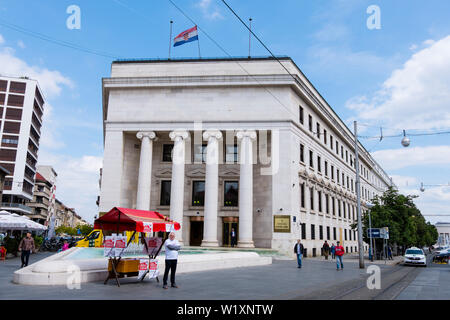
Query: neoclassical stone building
[[234, 143]]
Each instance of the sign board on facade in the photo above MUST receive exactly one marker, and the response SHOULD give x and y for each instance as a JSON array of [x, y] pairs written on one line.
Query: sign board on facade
[[384, 233], [374, 232], [282, 223]]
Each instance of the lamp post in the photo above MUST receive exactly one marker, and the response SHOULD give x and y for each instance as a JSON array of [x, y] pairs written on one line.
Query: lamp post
[[358, 201], [369, 205]]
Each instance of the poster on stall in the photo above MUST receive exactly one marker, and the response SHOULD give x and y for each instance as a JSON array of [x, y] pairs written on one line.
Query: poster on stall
[[170, 227], [148, 227], [143, 267], [108, 246], [153, 244], [120, 245], [153, 270]]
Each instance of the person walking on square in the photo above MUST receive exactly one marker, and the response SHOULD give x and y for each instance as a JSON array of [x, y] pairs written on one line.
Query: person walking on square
[[390, 253], [326, 249], [26, 246], [171, 246], [339, 256], [333, 251], [298, 250], [233, 237]]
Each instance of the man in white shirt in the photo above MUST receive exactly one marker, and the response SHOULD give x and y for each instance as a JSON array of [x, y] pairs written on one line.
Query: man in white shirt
[[171, 247]]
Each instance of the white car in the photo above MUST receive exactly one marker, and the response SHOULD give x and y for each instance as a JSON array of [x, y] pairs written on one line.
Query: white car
[[415, 256]]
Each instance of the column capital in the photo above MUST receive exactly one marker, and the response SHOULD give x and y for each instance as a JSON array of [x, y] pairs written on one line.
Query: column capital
[[183, 134], [241, 134], [150, 134], [215, 134]]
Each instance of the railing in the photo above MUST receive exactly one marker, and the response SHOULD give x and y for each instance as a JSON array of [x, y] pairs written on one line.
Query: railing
[[16, 206]]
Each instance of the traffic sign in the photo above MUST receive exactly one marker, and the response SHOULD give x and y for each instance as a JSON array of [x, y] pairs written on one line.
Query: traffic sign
[[374, 232]]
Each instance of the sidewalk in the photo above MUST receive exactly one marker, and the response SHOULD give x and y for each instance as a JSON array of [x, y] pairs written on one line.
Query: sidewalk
[[354, 258]]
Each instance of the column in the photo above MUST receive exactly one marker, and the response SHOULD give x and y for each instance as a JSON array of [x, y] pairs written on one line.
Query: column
[[246, 188], [211, 188], [177, 184], [145, 170]]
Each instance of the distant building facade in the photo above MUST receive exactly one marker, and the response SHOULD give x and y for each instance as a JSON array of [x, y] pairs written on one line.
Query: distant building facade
[[443, 229], [41, 199], [21, 110]]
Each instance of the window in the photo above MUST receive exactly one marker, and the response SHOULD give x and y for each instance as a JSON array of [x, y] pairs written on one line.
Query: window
[[348, 182], [3, 85], [17, 87], [165, 193], [319, 196], [343, 179], [2, 98], [345, 234], [303, 231], [231, 153], [346, 156], [334, 233], [301, 114], [326, 168], [333, 205], [302, 153], [351, 184], [302, 195], [311, 160], [339, 208], [13, 114], [321, 232], [328, 233], [310, 124], [11, 127], [311, 192], [331, 142], [337, 175], [332, 172], [15, 100], [350, 235], [318, 130], [327, 204], [319, 167], [198, 193], [231, 189], [337, 147], [324, 136], [200, 153], [40, 188], [344, 206], [10, 140], [167, 152], [313, 232], [8, 155], [342, 152]]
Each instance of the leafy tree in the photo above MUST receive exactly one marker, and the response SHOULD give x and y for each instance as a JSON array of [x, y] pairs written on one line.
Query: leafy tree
[[407, 226], [85, 229]]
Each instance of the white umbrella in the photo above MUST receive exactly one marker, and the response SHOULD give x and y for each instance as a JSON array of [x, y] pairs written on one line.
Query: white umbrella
[[16, 222], [5, 213]]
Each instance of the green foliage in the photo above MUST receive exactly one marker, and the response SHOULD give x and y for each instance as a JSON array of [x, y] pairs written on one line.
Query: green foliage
[[38, 241], [66, 230], [85, 229], [11, 245], [407, 226]]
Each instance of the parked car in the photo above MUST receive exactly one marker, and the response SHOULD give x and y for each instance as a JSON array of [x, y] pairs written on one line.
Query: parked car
[[415, 256]]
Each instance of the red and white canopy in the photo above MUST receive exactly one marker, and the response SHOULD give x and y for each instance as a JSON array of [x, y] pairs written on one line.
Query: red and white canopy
[[124, 219]]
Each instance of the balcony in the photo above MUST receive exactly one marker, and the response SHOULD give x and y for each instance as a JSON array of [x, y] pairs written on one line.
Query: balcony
[[16, 207]]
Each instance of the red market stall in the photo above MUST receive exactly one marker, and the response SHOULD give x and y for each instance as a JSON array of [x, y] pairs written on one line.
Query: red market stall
[[141, 221]]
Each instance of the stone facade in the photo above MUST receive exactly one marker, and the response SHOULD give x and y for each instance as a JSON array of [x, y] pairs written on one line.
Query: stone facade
[[249, 105]]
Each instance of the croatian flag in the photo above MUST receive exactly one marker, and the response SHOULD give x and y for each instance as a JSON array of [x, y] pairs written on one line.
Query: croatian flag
[[186, 36]]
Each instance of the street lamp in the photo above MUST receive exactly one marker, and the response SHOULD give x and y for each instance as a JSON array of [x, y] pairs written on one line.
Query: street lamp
[[358, 201], [405, 141], [422, 186]]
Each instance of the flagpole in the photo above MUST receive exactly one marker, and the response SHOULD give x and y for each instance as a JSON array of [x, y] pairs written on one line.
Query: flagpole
[[198, 44], [170, 38], [249, 37]]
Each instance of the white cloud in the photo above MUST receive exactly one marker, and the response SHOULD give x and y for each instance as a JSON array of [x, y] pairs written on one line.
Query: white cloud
[[415, 96], [393, 159], [21, 44], [51, 81], [404, 181], [209, 12], [77, 181]]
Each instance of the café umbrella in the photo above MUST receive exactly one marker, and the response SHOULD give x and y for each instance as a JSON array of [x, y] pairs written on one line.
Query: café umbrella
[[13, 221]]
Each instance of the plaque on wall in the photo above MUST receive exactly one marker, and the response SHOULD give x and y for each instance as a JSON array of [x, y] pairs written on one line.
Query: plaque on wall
[[282, 223]]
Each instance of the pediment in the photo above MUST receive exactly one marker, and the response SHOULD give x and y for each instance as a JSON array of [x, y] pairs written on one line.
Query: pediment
[[196, 173]]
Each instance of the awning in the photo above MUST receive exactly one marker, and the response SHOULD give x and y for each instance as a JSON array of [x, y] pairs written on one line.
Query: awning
[[124, 219]]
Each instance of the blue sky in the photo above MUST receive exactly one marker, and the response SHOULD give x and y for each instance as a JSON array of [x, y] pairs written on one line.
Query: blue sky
[[396, 77]]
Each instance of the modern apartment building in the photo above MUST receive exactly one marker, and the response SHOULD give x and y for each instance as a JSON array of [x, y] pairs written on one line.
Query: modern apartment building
[[21, 111], [235, 143]]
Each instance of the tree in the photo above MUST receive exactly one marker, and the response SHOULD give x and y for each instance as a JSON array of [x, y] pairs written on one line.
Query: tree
[[407, 226], [85, 229]]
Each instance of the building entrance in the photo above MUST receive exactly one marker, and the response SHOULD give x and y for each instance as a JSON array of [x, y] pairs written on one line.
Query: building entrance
[[196, 233], [230, 223]]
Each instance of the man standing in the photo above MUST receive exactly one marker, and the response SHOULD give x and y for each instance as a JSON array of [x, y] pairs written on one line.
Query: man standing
[[171, 247], [298, 250], [339, 253], [233, 237], [326, 249], [26, 245], [333, 251]]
